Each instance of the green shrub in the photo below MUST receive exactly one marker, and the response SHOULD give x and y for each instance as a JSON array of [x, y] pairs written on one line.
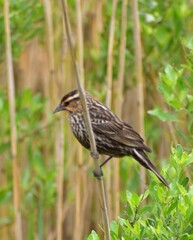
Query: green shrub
[[168, 213]]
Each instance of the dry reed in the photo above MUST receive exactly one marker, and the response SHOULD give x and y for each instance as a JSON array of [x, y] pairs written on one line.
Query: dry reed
[[93, 149], [119, 101], [113, 209], [79, 172], [13, 132], [140, 83]]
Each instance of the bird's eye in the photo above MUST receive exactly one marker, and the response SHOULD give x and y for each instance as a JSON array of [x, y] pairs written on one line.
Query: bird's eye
[[66, 104]]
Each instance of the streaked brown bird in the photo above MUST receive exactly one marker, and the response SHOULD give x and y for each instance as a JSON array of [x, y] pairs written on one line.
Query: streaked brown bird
[[113, 136]]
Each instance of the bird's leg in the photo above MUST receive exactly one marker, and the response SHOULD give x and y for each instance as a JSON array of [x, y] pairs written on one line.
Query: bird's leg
[[101, 165]]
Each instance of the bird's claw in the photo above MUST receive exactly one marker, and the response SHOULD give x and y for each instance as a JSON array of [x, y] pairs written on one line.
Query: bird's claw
[[97, 174]]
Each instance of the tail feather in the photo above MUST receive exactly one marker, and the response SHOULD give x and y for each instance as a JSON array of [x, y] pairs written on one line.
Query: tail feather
[[142, 158]]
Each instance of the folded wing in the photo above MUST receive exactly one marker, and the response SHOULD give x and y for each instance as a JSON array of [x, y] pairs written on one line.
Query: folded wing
[[122, 133]]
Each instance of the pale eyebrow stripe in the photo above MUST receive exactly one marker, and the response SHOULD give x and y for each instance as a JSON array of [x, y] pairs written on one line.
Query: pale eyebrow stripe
[[71, 98]]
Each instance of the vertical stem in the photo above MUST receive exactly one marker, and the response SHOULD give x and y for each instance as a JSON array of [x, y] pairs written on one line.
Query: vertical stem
[[59, 134], [104, 208], [79, 175], [40, 222], [80, 52], [60, 165], [60, 171], [140, 82], [110, 55], [99, 23], [93, 149], [109, 97], [49, 29], [60, 159], [120, 96], [122, 58], [11, 91]]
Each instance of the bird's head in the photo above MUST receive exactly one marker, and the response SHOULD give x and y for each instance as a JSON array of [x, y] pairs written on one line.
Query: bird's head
[[70, 102]]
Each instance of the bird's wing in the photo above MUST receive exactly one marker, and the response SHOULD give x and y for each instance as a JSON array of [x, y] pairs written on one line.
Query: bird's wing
[[121, 132]]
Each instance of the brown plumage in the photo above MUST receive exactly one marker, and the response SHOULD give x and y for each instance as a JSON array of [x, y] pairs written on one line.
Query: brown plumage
[[113, 136]]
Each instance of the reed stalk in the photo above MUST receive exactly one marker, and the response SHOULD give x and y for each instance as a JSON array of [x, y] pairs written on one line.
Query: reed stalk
[[13, 132], [79, 173], [93, 149], [50, 44], [140, 83], [59, 133], [119, 101], [113, 210]]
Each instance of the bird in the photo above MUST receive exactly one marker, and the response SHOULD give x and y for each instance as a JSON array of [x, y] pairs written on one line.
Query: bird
[[113, 136]]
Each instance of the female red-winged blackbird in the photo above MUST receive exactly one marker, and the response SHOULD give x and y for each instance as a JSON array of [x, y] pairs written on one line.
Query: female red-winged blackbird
[[113, 137]]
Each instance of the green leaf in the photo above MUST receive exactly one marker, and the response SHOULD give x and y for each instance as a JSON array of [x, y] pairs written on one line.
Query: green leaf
[[145, 210], [114, 227], [184, 237], [179, 151], [188, 42], [163, 116], [5, 195], [4, 147], [173, 206], [162, 35], [171, 76], [93, 236], [189, 105], [182, 189], [189, 158]]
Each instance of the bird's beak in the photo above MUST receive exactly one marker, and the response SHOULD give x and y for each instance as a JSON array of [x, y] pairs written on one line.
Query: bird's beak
[[59, 108]]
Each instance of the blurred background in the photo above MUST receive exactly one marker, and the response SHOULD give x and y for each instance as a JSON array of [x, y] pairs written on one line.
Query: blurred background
[[125, 55]]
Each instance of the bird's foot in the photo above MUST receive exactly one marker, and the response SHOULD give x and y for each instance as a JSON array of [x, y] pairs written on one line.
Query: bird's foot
[[98, 174]]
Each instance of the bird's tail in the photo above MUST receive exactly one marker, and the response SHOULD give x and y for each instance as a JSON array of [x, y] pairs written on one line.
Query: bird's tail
[[142, 158]]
